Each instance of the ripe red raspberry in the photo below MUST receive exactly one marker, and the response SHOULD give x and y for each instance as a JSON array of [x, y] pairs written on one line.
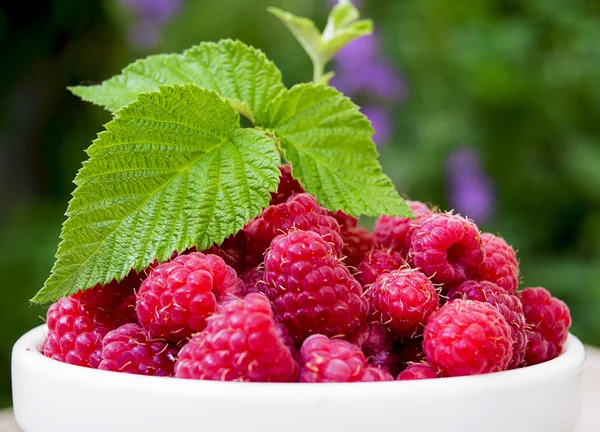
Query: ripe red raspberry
[[301, 211], [75, 331], [376, 374], [357, 243], [330, 360], [241, 343], [287, 187], [311, 290], [548, 320], [394, 232], [447, 248], [417, 371], [232, 250], [467, 337], [402, 301], [178, 296], [507, 304], [376, 263], [500, 264], [130, 349]]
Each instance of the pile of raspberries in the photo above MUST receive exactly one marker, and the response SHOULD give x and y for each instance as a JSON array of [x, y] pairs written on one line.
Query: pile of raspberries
[[303, 294]]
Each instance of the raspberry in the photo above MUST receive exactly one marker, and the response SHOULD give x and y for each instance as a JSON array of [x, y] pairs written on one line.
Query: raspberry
[[232, 250], [500, 264], [344, 220], [287, 187], [467, 337], [447, 248], [301, 211], [253, 281], [178, 296], [417, 371], [508, 305], [375, 343], [548, 321], [394, 232], [241, 343], [130, 349], [331, 360], [410, 351], [357, 243], [376, 263], [311, 290], [376, 374], [402, 301], [76, 329]]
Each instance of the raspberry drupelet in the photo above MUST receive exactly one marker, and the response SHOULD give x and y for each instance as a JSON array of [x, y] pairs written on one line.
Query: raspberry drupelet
[[507, 304], [175, 300], [548, 321], [447, 248], [331, 360], [232, 250], [467, 337], [300, 211], [394, 232], [402, 301], [311, 289], [377, 262], [241, 343], [130, 349], [357, 243], [417, 371], [500, 264]]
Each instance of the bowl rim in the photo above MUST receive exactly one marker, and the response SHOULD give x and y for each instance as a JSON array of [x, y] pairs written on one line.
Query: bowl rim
[[27, 352]]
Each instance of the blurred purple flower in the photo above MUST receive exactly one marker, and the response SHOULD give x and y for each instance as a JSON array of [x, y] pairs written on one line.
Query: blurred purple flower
[[382, 122], [377, 79], [470, 190], [149, 18], [365, 49]]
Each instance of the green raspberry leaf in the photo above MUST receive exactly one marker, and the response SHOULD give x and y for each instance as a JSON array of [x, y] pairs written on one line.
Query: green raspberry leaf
[[234, 70], [171, 171], [328, 142]]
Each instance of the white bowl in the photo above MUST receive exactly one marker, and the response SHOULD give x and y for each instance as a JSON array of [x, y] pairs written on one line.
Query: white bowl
[[53, 396]]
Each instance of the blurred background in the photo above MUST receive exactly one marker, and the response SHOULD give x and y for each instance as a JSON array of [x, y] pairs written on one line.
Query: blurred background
[[491, 108]]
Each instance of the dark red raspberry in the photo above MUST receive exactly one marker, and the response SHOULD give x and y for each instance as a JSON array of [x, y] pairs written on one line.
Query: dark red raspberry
[[467, 337], [232, 250], [417, 371], [75, 331], [287, 187], [410, 351], [301, 211], [376, 263], [548, 321], [130, 349], [241, 343], [311, 290], [178, 296], [253, 281], [507, 304], [402, 301], [447, 248], [331, 360], [344, 220], [500, 264], [375, 343], [376, 374], [357, 243], [394, 232]]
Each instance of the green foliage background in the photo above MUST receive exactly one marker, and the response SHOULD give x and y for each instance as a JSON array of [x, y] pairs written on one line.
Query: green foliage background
[[517, 79]]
